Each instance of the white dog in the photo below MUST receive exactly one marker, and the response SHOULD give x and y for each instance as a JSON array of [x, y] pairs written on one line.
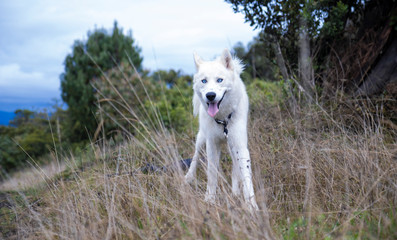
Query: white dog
[[221, 101]]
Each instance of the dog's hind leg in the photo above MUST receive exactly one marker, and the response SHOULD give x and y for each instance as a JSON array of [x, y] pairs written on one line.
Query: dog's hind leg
[[190, 175]]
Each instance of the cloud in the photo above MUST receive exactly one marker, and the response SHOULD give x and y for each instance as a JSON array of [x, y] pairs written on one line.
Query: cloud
[[36, 38], [17, 85], [12, 75]]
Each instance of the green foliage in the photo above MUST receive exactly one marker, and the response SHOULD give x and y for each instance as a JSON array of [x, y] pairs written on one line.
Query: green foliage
[[272, 16], [36, 142], [175, 105], [121, 95], [325, 21], [271, 92], [258, 59], [11, 155], [168, 77], [88, 61], [281, 18], [334, 25], [22, 116], [325, 226], [31, 134], [130, 102]]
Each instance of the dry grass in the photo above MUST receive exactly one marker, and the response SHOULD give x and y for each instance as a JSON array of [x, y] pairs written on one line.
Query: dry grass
[[314, 179], [31, 177]]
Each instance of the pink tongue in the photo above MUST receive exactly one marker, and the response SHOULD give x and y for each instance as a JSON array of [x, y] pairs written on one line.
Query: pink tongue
[[213, 109]]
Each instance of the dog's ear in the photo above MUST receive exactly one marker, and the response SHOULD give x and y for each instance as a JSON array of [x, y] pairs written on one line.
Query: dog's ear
[[226, 59], [197, 60]]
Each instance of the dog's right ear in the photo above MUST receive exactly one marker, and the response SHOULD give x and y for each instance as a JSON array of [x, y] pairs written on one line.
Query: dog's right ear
[[197, 60]]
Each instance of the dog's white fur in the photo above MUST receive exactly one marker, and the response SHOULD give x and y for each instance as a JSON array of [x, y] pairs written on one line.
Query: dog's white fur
[[235, 101]]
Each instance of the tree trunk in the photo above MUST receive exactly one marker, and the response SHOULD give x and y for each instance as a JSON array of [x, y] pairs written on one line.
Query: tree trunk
[[305, 63], [384, 72], [279, 57], [253, 63]]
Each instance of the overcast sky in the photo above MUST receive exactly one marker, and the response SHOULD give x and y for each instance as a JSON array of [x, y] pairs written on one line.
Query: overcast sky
[[36, 36]]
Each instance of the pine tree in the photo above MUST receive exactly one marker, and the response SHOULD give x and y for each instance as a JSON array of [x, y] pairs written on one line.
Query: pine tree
[[90, 60]]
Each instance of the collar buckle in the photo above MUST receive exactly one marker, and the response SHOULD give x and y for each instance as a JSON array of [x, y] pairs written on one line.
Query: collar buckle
[[224, 123]]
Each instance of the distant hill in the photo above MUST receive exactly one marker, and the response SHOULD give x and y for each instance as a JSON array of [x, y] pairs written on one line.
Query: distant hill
[[5, 117]]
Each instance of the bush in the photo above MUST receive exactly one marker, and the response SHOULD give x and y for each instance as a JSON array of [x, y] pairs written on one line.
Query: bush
[[129, 103]]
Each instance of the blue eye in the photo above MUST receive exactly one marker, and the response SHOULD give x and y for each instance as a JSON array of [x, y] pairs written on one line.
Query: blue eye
[[204, 81], [219, 80]]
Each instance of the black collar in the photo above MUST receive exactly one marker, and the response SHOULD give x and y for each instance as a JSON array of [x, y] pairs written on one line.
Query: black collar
[[224, 123]]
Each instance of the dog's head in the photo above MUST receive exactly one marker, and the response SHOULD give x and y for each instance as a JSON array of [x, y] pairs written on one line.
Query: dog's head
[[214, 79]]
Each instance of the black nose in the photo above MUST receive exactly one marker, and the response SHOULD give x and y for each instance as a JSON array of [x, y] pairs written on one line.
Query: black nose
[[210, 96]]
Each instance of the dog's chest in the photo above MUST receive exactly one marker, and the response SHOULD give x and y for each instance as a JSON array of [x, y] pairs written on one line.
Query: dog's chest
[[219, 130]]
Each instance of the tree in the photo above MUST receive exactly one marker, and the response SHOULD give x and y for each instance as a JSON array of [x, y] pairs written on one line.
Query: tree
[[31, 134], [292, 27], [344, 45], [11, 156], [22, 116], [259, 59], [131, 103], [89, 61]]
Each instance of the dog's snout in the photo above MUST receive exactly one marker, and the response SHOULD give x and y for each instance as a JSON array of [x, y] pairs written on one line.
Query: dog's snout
[[210, 96]]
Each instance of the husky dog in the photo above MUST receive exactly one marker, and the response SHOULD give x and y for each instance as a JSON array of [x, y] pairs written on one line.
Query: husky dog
[[221, 101]]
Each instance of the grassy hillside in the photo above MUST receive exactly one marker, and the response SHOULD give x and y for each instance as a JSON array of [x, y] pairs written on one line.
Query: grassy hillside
[[318, 175]]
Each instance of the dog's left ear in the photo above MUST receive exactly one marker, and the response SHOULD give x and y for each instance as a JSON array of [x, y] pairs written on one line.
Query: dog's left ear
[[226, 59]]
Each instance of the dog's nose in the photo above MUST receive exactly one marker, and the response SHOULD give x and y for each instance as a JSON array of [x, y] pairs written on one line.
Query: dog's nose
[[210, 96]]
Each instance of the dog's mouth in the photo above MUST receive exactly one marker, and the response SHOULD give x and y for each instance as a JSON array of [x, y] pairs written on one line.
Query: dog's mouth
[[213, 107]]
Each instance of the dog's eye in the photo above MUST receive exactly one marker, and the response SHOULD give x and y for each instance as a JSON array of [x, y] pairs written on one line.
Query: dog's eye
[[219, 80], [204, 81]]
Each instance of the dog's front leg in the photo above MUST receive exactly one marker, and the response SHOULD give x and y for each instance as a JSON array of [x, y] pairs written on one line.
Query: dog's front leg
[[190, 175], [236, 176], [213, 155], [244, 162]]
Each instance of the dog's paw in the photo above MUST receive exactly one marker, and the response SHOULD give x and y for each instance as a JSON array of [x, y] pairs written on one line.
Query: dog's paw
[[209, 198], [252, 204], [189, 178]]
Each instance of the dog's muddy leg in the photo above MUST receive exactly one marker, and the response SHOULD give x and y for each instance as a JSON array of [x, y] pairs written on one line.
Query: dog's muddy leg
[[213, 155], [244, 161], [235, 174]]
